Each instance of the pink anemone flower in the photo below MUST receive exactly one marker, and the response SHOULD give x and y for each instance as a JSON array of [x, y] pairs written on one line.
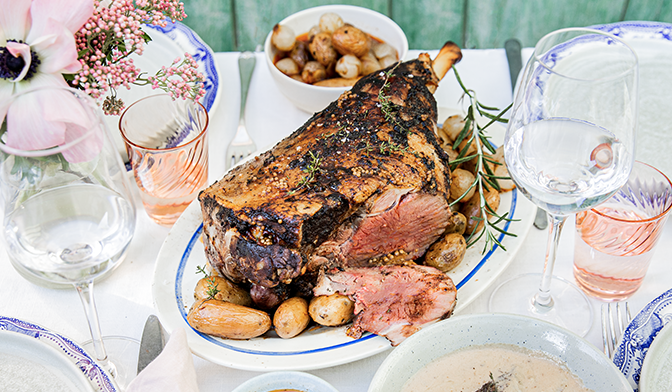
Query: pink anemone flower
[[37, 46]]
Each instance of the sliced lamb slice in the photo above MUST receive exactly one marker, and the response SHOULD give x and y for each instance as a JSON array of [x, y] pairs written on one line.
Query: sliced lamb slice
[[394, 301]]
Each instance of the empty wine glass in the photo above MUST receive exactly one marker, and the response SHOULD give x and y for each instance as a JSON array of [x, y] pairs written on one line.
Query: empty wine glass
[[569, 146], [68, 214]]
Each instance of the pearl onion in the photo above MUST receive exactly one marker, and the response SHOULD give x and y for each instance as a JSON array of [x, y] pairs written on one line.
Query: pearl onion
[[348, 66], [330, 22], [283, 37]]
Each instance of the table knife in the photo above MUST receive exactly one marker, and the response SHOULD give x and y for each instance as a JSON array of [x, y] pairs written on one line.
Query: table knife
[[513, 48], [152, 342]]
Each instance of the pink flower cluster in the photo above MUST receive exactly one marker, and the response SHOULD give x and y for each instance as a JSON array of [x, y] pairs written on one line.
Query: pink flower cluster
[[178, 79], [112, 34]]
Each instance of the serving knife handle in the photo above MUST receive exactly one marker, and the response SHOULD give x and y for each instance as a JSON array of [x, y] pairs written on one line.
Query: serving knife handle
[[246, 63], [513, 48]]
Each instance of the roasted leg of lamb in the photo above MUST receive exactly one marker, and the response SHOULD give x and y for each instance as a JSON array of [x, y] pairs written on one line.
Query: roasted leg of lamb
[[361, 183]]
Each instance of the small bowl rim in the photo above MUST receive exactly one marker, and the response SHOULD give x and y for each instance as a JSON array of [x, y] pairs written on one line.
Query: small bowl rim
[[645, 379], [324, 9], [251, 385]]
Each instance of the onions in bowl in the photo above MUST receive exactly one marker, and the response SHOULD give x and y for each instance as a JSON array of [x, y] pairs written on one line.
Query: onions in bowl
[[341, 48]]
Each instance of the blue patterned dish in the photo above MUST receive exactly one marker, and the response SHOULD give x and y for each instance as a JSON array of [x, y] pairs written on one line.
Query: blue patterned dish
[[188, 41], [652, 41], [639, 335], [99, 379]]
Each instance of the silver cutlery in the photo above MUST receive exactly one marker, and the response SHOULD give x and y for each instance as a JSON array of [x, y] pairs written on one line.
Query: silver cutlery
[[242, 145], [152, 342], [615, 318], [513, 48]]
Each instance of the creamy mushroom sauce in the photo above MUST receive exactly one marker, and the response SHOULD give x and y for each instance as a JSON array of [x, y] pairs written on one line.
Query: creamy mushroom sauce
[[512, 367]]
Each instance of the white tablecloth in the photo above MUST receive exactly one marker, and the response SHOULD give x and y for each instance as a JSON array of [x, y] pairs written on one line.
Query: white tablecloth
[[124, 299]]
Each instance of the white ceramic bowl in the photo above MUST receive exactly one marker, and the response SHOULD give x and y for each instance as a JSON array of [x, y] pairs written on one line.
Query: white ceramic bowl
[[273, 381], [315, 98], [582, 358]]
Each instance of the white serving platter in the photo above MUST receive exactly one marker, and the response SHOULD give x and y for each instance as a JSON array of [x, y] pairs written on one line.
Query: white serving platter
[[176, 276]]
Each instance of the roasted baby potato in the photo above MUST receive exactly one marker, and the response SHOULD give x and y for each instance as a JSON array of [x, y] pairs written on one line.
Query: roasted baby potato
[[337, 82], [321, 49], [313, 72], [300, 54], [447, 253], [228, 320], [457, 223], [349, 39], [291, 317], [331, 310], [225, 291], [471, 209]]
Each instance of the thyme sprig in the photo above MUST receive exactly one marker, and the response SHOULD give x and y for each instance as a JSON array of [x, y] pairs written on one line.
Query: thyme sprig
[[212, 289], [386, 105], [485, 179], [391, 147], [311, 170]]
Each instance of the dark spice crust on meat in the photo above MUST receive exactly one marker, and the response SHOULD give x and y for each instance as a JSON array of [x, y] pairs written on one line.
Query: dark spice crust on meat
[[361, 153]]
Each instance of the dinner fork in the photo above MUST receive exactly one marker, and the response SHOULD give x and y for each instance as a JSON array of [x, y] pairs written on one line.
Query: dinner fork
[[615, 318], [242, 145]]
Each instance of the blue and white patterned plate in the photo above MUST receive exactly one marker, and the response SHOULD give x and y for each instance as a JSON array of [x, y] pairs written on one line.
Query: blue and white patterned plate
[[652, 41], [638, 336], [99, 379], [188, 41]]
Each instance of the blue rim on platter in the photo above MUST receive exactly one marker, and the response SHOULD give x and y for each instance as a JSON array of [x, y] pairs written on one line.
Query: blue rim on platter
[[638, 336], [201, 52], [98, 378]]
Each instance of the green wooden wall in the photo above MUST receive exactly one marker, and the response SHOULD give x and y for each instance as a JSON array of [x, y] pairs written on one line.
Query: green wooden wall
[[236, 25]]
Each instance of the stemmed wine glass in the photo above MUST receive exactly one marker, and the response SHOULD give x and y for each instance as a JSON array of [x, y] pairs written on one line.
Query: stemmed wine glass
[[569, 146], [68, 215]]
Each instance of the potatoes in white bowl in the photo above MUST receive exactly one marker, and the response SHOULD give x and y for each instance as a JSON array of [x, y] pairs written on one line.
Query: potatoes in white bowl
[[460, 333], [311, 98]]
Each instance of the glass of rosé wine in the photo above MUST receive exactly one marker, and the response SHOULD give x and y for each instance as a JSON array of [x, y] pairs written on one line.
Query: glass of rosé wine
[[167, 144], [614, 242], [569, 146]]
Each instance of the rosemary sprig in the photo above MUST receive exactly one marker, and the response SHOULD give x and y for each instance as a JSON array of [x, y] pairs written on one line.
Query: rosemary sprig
[[485, 178], [312, 169], [212, 289]]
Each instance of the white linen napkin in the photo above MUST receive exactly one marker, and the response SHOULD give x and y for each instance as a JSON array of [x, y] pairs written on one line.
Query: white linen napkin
[[172, 371]]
